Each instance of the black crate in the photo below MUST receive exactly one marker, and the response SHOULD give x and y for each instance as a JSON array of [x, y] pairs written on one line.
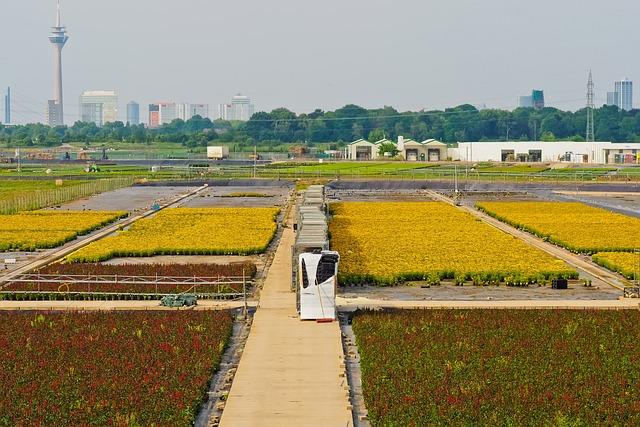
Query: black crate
[[559, 284]]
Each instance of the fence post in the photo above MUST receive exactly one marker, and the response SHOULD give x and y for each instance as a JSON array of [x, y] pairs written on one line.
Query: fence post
[[244, 295]]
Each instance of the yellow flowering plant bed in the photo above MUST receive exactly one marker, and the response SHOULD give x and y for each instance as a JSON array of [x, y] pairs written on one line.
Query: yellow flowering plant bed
[[388, 243], [29, 231], [188, 231], [625, 263], [575, 226]]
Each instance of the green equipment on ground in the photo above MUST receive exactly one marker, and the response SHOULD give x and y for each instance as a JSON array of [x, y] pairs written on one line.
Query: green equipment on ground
[[176, 301]]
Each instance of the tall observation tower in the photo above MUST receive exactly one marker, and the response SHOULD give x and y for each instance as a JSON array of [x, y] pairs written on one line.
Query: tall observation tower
[[58, 38]]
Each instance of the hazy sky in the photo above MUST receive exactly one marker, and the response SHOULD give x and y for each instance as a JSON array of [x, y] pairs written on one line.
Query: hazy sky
[[301, 54]]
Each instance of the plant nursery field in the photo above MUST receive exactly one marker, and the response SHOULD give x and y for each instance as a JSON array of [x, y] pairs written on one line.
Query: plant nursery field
[[212, 272], [11, 188], [389, 243], [625, 263], [574, 226], [28, 231], [500, 367], [189, 231], [115, 368]]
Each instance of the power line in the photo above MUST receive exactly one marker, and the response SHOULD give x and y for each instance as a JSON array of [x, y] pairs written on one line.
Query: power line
[[590, 134]]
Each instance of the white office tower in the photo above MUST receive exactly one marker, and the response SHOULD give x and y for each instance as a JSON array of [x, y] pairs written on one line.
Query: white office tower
[[240, 109], [99, 106]]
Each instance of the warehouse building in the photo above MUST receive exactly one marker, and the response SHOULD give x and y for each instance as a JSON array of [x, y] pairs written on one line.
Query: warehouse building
[[547, 152], [410, 150], [432, 150]]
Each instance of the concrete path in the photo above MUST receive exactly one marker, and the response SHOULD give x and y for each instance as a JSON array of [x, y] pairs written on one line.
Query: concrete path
[[292, 372]]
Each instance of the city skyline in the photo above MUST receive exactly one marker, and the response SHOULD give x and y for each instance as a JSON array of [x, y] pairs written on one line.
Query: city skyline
[[302, 80]]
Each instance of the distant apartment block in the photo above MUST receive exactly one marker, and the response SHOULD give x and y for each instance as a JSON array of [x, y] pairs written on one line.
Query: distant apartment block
[[535, 100], [154, 115], [54, 113], [525, 102], [133, 113], [166, 112], [188, 111], [99, 106], [622, 96], [201, 110], [240, 109]]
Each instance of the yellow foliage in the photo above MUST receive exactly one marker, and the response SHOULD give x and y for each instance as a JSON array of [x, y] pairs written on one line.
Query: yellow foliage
[[28, 231], [625, 263], [395, 242], [187, 231], [575, 226]]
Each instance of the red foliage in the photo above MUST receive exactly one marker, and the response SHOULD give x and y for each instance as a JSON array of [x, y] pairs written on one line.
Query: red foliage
[[149, 270], [500, 367], [120, 368]]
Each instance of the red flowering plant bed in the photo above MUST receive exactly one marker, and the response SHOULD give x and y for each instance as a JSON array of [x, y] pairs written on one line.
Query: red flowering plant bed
[[500, 367], [210, 272], [116, 368]]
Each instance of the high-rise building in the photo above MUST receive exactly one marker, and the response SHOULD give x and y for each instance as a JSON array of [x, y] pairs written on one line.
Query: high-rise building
[[165, 112], [154, 115], [168, 112], [201, 110], [133, 113], [187, 111], [622, 96], [58, 38], [537, 96], [239, 109], [99, 106], [525, 102], [7, 106], [54, 113], [535, 100]]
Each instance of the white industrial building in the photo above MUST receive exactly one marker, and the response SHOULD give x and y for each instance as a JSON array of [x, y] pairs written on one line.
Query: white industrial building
[[547, 152], [510, 151]]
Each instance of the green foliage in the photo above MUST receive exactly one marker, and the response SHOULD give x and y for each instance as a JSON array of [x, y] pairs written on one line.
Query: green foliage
[[458, 124], [388, 149]]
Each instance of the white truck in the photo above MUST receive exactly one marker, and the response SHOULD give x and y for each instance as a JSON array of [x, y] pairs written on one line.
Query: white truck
[[218, 152]]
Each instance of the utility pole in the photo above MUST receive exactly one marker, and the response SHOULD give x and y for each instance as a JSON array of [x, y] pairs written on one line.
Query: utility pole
[[591, 134], [255, 158]]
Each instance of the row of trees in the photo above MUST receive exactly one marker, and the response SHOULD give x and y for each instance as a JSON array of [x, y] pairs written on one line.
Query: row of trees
[[193, 132], [459, 124], [462, 123]]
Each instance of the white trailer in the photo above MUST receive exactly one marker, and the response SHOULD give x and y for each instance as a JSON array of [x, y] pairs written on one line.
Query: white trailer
[[318, 281], [218, 152]]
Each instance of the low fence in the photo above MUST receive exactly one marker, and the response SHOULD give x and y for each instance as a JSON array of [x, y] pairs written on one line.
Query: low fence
[[398, 174], [38, 199], [38, 287]]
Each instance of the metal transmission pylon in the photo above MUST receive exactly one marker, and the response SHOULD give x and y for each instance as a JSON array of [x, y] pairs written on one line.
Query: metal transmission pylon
[[591, 133]]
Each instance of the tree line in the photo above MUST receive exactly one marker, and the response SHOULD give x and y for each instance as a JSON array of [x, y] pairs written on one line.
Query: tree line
[[458, 124]]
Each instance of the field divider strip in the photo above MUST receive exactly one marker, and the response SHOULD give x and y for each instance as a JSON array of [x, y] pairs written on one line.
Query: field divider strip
[[48, 258]]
